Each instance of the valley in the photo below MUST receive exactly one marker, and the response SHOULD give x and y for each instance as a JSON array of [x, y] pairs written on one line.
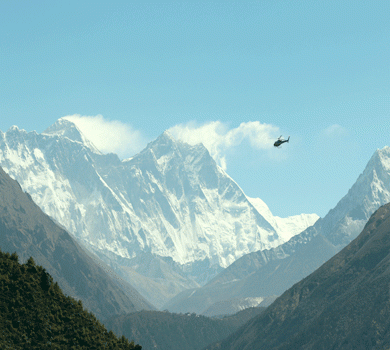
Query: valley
[[169, 230]]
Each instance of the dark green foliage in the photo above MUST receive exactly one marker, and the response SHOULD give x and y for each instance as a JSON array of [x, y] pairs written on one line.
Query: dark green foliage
[[26, 230], [35, 314]]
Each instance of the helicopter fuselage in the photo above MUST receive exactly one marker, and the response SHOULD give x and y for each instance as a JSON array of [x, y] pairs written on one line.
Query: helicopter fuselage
[[279, 142]]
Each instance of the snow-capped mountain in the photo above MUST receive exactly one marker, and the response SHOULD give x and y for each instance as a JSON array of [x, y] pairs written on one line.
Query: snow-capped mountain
[[26, 230], [341, 305], [370, 191], [346, 220], [170, 200], [286, 227], [271, 272]]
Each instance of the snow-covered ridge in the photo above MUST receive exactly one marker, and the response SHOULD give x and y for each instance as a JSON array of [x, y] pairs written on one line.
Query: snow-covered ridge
[[285, 227], [171, 199], [347, 219], [65, 128]]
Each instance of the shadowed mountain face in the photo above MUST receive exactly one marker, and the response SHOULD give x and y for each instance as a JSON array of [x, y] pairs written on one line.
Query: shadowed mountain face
[[26, 230], [256, 275], [170, 203], [345, 304], [162, 330], [271, 272]]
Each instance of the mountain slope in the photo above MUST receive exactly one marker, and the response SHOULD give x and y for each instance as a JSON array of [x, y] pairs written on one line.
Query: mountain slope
[[254, 276], [271, 272], [344, 222], [26, 230], [169, 201], [286, 227], [165, 331], [35, 314], [342, 305]]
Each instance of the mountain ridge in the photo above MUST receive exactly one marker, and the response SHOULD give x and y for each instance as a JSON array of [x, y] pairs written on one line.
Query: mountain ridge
[[272, 271], [169, 200], [26, 230], [342, 305]]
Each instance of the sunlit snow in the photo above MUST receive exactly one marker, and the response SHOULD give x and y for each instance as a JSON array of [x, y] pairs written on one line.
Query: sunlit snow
[[171, 199]]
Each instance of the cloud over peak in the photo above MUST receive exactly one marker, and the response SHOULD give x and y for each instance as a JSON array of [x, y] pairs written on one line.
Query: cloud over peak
[[109, 136], [122, 139], [218, 138]]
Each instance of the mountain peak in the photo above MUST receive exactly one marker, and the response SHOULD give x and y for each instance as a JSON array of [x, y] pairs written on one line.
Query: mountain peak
[[65, 128], [167, 144], [384, 156], [14, 129], [164, 144], [377, 166], [167, 135], [165, 139]]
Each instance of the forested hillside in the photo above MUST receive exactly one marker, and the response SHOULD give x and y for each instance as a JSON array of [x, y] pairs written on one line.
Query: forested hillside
[[35, 314], [26, 230], [162, 330]]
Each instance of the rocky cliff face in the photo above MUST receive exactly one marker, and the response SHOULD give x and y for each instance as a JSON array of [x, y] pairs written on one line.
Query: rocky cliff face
[[170, 200], [346, 220], [342, 305], [26, 230], [270, 272]]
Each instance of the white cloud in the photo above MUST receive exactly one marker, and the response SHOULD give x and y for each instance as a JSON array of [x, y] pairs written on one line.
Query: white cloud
[[121, 138], [334, 131], [109, 136], [218, 139]]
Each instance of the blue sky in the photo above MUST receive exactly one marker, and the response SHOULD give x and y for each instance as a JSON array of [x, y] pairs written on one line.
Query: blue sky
[[233, 75]]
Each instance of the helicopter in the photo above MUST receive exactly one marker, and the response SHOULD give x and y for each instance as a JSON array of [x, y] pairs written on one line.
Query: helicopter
[[279, 141]]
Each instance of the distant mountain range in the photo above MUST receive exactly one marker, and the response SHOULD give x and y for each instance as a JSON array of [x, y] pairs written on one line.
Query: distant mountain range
[[170, 205], [343, 305], [270, 272], [26, 230], [154, 219], [257, 276]]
